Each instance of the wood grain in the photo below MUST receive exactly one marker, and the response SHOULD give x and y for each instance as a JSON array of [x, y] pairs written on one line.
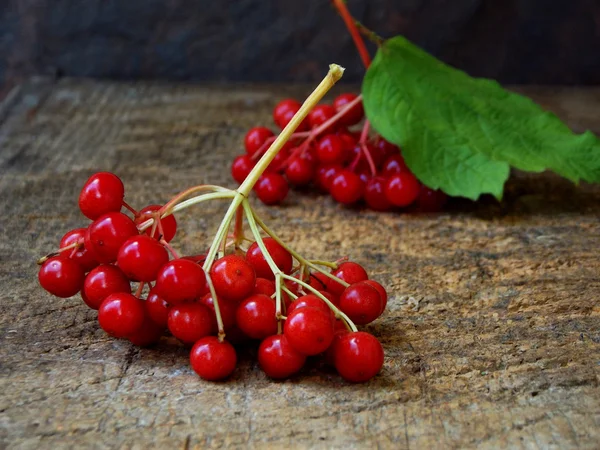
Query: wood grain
[[491, 337]]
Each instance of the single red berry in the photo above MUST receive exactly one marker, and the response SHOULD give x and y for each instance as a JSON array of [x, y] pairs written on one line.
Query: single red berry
[[213, 360], [61, 276], [349, 142], [284, 111], [325, 175], [393, 164], [102, 193], [358, 356], [320, 114], [255, 138], [299, 171], [121, 314], [281, 257], [278, 359], [430, 200], [157, 309], [309, 330], [350, 272], [189, 322], [168, 223], [255, 316], [347, 187], [226, 308], [271, 188], [141, 257], [330, 149], [264, 286], [361, 302], [310, 300], [375, 194], [354, 114], [240, 168], [233, 278], [180, 281], [107, 234], [103, 281], [150, 333], [402, 189], [340, 330], [382, 293], [386, 148], [79, 254]]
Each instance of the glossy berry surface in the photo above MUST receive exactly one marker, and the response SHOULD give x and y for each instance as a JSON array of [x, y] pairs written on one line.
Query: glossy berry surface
[[264, 286], [325, 175], [121, 315], [309, 330], [180, 281], [189, 322], [402, 189], [330, 149], [241, 167], [271, 188], [350, 272], [278, 359], [213, 360], [168, 223], [382, 292], [375, 197], [358, 356], [347, 187], [361, 302], [61, 276], [320, 114], [102, 193], [106, 235], [157, 309], [393, 165], [309, 300], [352, 116], [233, 278], [255, 138], [299, 171], [284, 111], [141, 257], [255, 316], [103, 281], [281, 257], [80, 254]]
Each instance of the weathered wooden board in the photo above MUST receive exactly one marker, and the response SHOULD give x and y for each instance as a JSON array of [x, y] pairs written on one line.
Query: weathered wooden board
[[492, 334]]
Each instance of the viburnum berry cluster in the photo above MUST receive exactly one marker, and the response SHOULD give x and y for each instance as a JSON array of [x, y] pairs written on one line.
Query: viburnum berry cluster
[[241, 289]]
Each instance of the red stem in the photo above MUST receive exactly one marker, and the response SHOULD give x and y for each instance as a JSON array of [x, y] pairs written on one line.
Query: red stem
[[127, 206], [356, 37]]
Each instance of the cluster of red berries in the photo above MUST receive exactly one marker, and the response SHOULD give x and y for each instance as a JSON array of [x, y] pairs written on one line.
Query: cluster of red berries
[[174, 293], [324, 152]]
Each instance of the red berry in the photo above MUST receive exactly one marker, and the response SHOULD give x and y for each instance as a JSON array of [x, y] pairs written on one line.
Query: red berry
[[310, 300], [299, 171], [318, 281], [337, 336], [382, 293], [430, 200], [168, 223], [80, 254], [332, 298], [347, 187], [350, 272], [107, 234], [271, 188], [149, 334], [141, 257], [102, 193], [213, 360], [358, 356], [320, 114], [349, 142], [284, 111], [330, 149], [309, 330], [156, 308], [241, 167], [402, 189], [361, 302], [180, 281], [255, 316], [281, 257], [226, 308], [103, 281], [325, 175], [61, 276], [393, 164], [255, 138], [121, 314], [189, 322], [386, 148], [278, 359], [375, 194], [278, 163], [352, 116], [264, 286], [233, 278]]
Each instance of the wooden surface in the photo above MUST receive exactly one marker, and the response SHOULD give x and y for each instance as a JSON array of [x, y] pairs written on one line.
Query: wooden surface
[[491, 337]]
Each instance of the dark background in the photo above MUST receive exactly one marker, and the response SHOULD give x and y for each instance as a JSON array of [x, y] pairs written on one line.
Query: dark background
[[514, 41]]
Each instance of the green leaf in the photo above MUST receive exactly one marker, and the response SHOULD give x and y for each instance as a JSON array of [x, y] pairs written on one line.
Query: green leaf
[[461, 134]]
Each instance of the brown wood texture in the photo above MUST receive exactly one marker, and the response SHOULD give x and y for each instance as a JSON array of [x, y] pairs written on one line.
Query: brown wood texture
[[491, 337]]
